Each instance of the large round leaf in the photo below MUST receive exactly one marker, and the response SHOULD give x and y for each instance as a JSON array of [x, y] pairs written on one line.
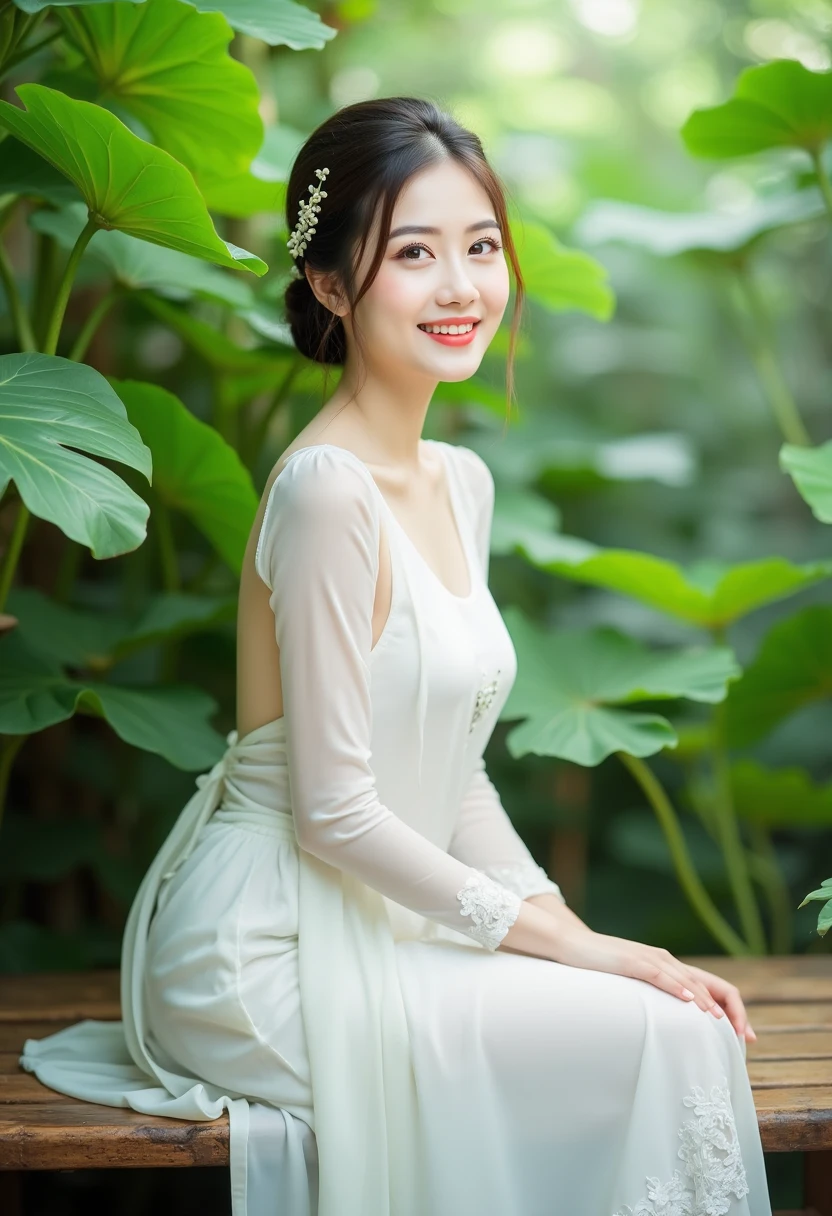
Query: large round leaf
[[53, 412], [97, 640], [137, 264], [168, 65], [670, 233], [277, 22], [779, 104], [780, 798], [171, 721], [811, 469], [571, 684], [711, 594], [793, 668], [194, 470], [24, 172], [126, 183], [561, 278]]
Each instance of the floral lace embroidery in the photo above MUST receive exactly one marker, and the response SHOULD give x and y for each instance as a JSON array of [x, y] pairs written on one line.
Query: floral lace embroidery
[[524, 878], [492, 907], [714, 1177], [485, 695]]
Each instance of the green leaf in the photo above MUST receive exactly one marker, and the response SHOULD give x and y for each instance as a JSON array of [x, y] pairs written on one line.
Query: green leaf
[[811, 470], [561, 278], [97, 640], [54, 413], [520, 518], [168, 66], [219, 351], [242, 195], [276, 22], [671, 233], [126, 183], [780, 798], [171, 722], [793, 668], [195, 470], [570, 684], [775, 105], [710, 594], [23, 172], [137, 264]]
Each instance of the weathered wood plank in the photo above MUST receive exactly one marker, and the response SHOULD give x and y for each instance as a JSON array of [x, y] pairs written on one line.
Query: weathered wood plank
[[796, 1044], [807, 1015], [774, 979], [67, 1134], [14, 1034]]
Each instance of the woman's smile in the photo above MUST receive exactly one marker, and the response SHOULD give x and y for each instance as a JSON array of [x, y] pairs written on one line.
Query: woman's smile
[[449, 333]]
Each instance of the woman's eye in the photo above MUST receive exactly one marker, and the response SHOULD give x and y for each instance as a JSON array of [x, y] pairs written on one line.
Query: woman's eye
[[487, 240]]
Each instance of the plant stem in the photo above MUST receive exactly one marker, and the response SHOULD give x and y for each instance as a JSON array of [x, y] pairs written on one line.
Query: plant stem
[[53, 329], [10, 557], [774, 384], [20, 317], [767, 871], [79, 348], [823, 179], [692, 884], [730, 839]]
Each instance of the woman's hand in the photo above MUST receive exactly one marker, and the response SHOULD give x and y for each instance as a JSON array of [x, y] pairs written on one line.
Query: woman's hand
[[728, 996], [581, 947]]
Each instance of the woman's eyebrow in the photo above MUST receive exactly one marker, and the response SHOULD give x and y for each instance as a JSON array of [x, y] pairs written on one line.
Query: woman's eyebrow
[[437, 231]]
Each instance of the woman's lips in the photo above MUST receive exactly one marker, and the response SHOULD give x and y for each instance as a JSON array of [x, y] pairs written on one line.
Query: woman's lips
[[451, 339]]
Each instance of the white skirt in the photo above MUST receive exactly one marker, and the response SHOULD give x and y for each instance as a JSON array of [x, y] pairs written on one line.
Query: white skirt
[[542, 1088]]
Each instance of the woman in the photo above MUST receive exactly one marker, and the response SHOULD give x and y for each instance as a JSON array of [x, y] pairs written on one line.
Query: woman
[[344, 941]]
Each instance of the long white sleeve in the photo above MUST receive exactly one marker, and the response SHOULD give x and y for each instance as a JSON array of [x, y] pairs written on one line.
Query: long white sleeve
[[484, 836], [318, 554]]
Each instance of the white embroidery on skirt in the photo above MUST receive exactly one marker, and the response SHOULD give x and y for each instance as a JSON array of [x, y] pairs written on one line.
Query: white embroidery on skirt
[[714, 1177], [493, 908]]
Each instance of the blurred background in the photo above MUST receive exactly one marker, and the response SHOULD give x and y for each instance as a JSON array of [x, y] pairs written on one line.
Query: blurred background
[[658, 512]]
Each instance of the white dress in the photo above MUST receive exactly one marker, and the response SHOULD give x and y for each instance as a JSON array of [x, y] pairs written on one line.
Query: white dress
[[314, 947]]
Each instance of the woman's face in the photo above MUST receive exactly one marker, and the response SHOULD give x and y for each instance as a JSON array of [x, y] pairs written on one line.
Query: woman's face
[[456, 270]]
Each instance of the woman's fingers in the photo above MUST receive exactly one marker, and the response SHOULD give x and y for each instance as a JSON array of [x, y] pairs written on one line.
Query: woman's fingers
[[729, 997], [687, 977]]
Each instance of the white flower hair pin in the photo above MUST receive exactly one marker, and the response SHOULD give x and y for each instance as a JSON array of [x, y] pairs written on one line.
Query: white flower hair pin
[[304, 229]]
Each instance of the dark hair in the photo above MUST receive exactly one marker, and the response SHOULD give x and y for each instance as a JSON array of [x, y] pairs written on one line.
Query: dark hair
[[372, 148]]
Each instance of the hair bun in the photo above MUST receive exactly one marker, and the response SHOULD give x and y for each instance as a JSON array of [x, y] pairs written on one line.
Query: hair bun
[[308, 321]]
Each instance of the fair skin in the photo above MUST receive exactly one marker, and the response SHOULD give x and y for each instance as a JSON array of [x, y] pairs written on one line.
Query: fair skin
[[425, 277]]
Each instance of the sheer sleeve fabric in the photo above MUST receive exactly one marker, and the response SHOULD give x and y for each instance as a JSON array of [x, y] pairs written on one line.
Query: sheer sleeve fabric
[[318, 554], [484, 836]]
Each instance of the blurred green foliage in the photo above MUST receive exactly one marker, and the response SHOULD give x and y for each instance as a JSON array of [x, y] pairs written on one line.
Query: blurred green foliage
[[659, 546]]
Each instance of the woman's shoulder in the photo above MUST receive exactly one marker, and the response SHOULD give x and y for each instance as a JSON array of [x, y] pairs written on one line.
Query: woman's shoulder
[[318, 477], [317, 493], [474, 473]]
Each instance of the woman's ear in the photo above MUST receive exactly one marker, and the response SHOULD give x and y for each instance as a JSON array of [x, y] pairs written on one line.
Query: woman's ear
[[326, 289]]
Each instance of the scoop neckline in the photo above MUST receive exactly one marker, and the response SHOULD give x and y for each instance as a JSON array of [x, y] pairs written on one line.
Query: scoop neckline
[[455, 512]]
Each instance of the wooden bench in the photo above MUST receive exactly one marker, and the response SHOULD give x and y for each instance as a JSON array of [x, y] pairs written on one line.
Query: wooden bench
[[789, 1000]]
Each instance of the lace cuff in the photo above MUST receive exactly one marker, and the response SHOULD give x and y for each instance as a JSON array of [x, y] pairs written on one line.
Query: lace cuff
[[524, 878], [492, 907]]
